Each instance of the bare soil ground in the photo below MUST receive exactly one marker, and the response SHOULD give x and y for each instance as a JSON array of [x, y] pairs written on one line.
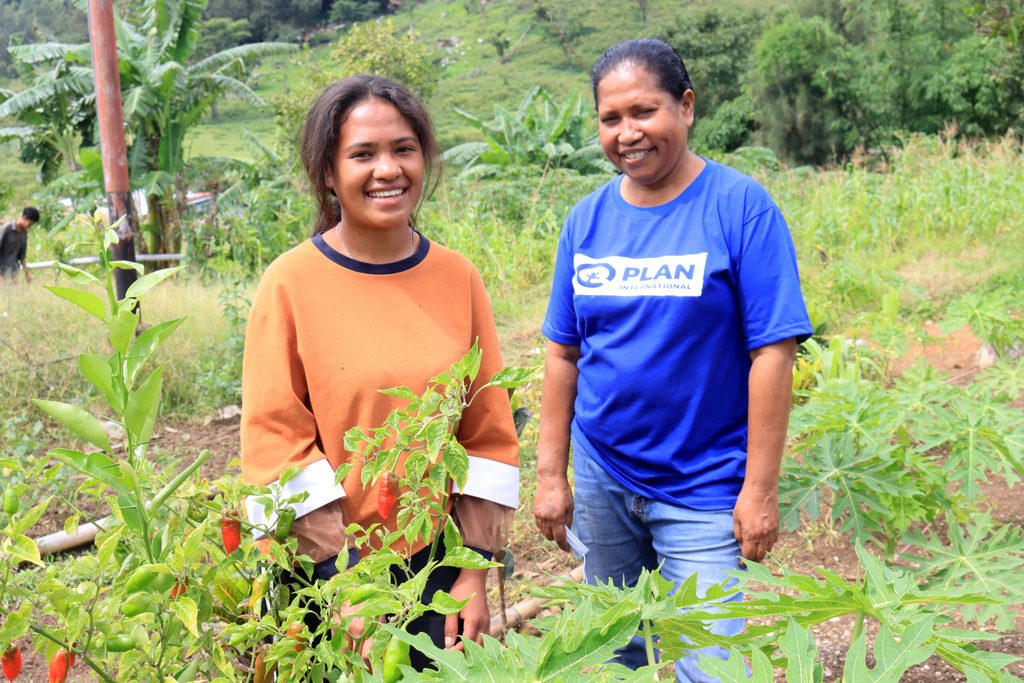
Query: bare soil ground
[[538, 560]]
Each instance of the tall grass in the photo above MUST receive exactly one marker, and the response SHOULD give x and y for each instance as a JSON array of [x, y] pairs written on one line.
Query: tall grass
[[943, 217], [41, 335]]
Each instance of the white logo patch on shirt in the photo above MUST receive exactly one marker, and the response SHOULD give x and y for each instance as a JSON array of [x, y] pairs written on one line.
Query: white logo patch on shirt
[[622, 276]]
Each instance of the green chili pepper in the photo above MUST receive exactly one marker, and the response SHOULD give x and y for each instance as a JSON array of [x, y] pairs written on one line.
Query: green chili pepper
[[122, 642], [11, 502], [395, 655], [284, 523]]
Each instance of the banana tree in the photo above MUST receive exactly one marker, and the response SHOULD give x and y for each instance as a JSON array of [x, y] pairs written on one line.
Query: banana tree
[[165, 96], [540, 133], [56, 112]]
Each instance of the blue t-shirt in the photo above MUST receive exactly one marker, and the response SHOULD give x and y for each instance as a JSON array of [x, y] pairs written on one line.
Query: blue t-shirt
[[665, 304]]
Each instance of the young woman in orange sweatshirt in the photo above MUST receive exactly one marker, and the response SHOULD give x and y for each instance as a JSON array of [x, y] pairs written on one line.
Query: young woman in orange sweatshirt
[[369, 303]]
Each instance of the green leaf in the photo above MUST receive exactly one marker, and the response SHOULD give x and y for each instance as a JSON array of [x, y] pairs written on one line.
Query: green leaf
[[187, 611], [512, 377], [444, 603], [21, 549], [96, 369], [557, 661], [399, 392], [892, 657], [734, 669], [16, 623], [106, 551], [71, 524], [95, 465], [801, 655], [143, 406], [466, 558], [467, 367], [87, 301], [129, 265], [77, 421], [22, 523], [77, 275], [122, 328], [147, 282]]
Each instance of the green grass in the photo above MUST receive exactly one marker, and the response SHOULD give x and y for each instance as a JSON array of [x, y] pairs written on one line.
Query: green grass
[[42, 336]]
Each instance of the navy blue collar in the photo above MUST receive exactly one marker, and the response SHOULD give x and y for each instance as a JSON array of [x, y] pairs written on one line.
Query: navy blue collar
[[373, 268]]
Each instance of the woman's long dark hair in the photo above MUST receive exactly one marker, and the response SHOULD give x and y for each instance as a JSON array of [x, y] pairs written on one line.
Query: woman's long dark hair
[[323, 129]]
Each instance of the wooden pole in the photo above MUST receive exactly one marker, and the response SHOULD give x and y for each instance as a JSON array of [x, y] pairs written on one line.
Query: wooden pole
[[112, 145]]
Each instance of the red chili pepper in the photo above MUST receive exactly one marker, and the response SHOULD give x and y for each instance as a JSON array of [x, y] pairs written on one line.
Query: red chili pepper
[[59, 665], [11, 663], [179, 588], [386, 494], [230, 534]]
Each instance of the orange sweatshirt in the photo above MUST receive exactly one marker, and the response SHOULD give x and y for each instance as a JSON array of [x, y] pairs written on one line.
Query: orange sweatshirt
[[326, 333]]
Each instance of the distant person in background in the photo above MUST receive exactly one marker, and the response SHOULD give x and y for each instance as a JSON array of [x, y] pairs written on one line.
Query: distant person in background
[[674, 317], [14, 243]]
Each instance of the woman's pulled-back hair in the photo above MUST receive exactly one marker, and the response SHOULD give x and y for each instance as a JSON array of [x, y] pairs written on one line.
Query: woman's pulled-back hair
[[323, 129], [655, 56]]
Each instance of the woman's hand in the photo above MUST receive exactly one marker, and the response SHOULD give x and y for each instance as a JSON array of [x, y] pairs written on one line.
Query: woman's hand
[[756, 515], [553, 507], [755, 521], [476, 617]]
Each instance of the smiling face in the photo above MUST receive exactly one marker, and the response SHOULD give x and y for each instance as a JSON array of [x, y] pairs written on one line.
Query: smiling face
[[644, 130], [378, 167]]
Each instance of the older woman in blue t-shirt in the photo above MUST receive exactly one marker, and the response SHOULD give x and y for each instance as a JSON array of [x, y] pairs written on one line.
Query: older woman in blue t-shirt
[[673, 322]]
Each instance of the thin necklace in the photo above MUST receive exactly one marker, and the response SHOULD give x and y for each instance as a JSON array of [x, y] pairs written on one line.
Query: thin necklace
[[344, 247]]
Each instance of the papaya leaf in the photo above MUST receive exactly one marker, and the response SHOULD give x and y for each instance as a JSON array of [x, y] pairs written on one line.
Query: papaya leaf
[[801, 655], [734, 669]]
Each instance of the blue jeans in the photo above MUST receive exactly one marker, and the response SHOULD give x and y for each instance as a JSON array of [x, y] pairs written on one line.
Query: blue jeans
[[626, 533]]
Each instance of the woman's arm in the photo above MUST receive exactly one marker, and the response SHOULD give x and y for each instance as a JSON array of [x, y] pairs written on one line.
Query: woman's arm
[[756, 516], [553, 505]]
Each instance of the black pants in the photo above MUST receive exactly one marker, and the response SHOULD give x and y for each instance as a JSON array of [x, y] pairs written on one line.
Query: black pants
[[431, 623]]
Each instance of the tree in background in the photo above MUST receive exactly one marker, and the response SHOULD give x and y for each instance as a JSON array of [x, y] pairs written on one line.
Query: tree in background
[[37, 21], [374, 47], [57, 112], [163, 94], [271, 19], [717, 46], [220, 33], [353, 11], [539, 135], [839, 76]]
